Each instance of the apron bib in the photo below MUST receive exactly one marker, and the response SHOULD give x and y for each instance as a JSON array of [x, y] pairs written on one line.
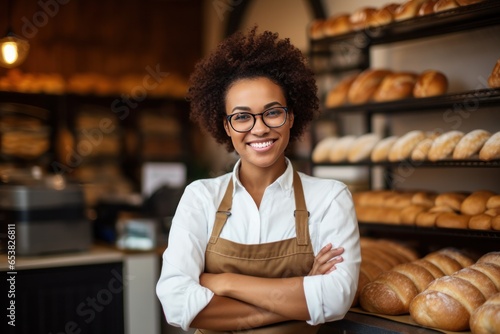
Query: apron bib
[[288, 258]]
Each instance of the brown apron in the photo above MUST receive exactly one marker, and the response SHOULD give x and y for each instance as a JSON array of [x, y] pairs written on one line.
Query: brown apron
[[288, 258]]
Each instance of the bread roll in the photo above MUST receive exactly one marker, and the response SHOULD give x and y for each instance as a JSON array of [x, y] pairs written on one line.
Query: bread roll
[[408, 215], [443, 5], [424, 198], [365, 84], [452, 220], [493, 202], [494, 78], [427, 8], [421, 150], [430, 83], [400, 200], [316, 29], [426, 219], [373, 214], [491, 257], [408, 10], [395, 86], [475, 203], [451, 199], [338, 95], [362, 147], [392, 291], [486, 318], [359, 18], [480, 222], [321, 152], [381, 150], [443, 146], [337, 25], [470, 144], [495, 223], [383, 15], [403, 147], [448, 302], [342, 146], [491, 148]]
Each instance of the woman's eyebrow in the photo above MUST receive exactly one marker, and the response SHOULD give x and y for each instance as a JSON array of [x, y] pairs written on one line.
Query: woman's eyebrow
[[244, 108]]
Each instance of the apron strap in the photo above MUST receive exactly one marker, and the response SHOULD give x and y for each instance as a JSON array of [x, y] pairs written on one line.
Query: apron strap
[[223, 212], [301, 214]]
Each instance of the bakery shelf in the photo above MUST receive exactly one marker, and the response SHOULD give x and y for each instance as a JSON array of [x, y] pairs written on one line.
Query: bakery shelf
[[469, 100], [441, 163], [482, 14]]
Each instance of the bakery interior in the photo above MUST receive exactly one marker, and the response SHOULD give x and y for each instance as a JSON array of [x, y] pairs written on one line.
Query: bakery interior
[[96, 146]]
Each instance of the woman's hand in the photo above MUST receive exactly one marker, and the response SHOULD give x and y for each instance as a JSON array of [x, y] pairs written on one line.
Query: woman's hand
[[326, 260]]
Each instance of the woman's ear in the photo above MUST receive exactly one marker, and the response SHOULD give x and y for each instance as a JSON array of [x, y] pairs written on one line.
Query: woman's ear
[[226, 127], [291, 118]]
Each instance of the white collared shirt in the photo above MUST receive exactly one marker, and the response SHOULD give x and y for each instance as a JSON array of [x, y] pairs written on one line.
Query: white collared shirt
[[332, 220]]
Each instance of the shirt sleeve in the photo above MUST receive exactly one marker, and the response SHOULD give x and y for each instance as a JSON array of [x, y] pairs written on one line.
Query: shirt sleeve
[[330, 296], [178, 288]]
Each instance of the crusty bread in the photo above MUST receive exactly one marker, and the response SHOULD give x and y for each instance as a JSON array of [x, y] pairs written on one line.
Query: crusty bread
[[421, 150], [430, 83], [475, 203], [408, 10], [481, 221], [452, 220], [392, 291], [383, 15], [321, 152], [451, 199], [359, 18], [365, 84], [403, 147], [494, 78], [337, 96], [316, 29], [426, 219], [491, 148], [443, 146], [424, 198], [362, 147], [493, 202], [491, 257], [495, 223], [448, 302], [408, 215], [486, 318], [443, 5], [342, 146], [395, 86], [381, 150], [337, 25], [467, 2], [427, 8], [470, 144]]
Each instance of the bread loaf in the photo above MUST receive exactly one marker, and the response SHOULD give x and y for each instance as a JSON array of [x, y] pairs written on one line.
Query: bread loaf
[[480, 222], [408, 10], [491, 257], [470, 144], [316, 29], [427, 8], [452, 220], [338, 95], [430, 83], [491, 148], [321, 152], [451, 199], [421, 150], [392, 291], [362, 147], [494, 78], [443, 146], [495, 223], [486, 318], [395, 86], [475, 203], [341, 148], [381, 150], [448, 302], [359, 18], [493, 202], [365, 84], [337, 25], [443, 5], [408, 215], [403, 147], [383, 15], [424, 198]]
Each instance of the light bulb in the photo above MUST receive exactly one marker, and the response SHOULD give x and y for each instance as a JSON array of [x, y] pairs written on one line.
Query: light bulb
[[13, 51]]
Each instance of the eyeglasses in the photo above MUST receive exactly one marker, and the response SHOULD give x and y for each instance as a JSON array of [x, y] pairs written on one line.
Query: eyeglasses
[[273, 117]]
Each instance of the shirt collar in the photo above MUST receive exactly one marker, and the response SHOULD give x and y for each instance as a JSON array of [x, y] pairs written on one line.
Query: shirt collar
[[285, 181]]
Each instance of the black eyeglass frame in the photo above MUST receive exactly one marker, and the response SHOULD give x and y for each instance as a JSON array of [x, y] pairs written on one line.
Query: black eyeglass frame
[[228, 118]]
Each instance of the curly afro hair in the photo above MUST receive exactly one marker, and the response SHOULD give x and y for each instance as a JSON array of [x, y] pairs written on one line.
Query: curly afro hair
[[249, 56]]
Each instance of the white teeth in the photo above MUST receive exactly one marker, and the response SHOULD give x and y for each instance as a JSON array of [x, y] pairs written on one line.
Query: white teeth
[[261, 145]]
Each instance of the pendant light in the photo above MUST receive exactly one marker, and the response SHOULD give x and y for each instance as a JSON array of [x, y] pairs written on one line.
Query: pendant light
[[13, 49]]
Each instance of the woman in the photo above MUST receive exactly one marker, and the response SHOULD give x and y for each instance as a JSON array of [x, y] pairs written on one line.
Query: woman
[[263, 248]]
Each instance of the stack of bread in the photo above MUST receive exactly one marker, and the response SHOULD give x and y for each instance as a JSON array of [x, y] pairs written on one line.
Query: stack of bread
[[368, 17], [453, 302], [382, 85], [378, 256], [392, 291], [479, 210], [415, 145]]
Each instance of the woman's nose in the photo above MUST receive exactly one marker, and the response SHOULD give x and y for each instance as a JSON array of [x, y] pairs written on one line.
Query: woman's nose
[[259, 126]]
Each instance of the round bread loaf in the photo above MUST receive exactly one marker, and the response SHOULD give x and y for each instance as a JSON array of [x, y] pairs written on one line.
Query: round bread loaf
[[486, 318], [491, 148], [337, 25], [480, 222], [470, 144], [421, 150], [430, 83], [403, 147], [494, 78], [383, 15], [491, 257], [381, 150], [443, 5], [359, 18], [316, 29], [452, 220], [426, 219], [493, 202], [395, 86], [408, 10], [475, 203], [408, 215], [362, 147], [451, 199], [443, 146], [321, 152], [337, 96], [365, 84], [424, 198], [341, 148]]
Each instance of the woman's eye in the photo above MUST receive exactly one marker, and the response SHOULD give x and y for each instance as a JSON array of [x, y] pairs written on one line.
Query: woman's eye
[[242, 117], [274, 112]]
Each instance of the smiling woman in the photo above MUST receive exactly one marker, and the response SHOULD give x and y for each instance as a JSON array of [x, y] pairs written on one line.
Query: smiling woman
[[265, 247]]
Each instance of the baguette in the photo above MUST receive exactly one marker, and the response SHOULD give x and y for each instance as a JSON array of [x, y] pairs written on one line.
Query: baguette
[[486, 318], [491, 148], [381, 150], [392, 291], [365, 84], [470, 144], [475, 203], [448, 302], [403, 147]]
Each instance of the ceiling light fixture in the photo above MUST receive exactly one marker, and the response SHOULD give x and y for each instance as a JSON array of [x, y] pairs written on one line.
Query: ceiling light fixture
[[13, 49]]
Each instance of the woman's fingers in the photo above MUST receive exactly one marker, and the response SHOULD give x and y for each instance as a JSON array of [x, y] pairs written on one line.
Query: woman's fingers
[[326, 259]]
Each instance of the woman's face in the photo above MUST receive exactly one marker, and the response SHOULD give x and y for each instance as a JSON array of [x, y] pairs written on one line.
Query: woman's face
[[262, 146]]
